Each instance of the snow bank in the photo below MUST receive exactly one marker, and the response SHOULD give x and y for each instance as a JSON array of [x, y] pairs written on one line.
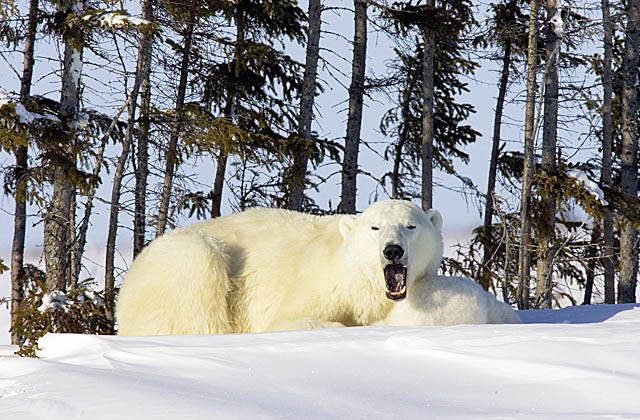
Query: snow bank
[[528, 371]]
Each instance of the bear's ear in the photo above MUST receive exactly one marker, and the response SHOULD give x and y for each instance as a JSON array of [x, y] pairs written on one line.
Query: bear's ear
[[435, 218], [346, 224]]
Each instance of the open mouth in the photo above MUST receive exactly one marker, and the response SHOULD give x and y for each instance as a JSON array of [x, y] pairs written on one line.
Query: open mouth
[[395, 276]]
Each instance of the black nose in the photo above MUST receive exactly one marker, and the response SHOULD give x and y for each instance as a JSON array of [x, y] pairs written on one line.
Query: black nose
[[393, 252]]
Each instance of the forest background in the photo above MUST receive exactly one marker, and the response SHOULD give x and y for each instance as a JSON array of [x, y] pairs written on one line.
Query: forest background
[[232, 71]]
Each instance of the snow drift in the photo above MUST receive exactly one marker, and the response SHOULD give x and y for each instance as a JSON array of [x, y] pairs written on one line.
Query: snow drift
[[575, 363]]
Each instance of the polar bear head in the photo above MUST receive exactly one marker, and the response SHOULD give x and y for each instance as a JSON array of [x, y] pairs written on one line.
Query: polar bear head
[[392, 243]]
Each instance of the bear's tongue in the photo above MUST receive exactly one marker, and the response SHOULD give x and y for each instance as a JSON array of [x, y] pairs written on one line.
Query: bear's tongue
[[395, 276]]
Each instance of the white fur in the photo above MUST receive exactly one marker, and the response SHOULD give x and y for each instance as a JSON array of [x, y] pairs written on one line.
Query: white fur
[[269, 269], [442, 300]]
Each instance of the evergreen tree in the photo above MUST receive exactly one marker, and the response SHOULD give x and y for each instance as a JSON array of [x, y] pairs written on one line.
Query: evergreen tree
[[58, 217], [629, 154], [298, 182], [252, 91], [20, 173], [508, 30], [354, 119], [545, 228], [524, 257], [406, 122], [190, 21], [607, 141], [142, 72]]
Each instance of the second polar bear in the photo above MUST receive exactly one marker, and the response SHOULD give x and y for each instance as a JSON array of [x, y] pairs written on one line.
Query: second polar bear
[[443, 300]]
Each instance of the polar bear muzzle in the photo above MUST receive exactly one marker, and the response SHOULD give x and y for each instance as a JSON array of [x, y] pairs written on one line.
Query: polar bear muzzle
[[395, 276]]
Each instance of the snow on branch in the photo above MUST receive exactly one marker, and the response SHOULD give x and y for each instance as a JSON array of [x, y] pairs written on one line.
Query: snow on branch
[[116, 20], [590, 186], [53, 301], [24, 116]]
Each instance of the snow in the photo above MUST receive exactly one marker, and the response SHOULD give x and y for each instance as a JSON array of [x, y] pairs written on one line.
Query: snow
[[91, 296], [574, 363], [53, 301], [75, 69], [25, 116], [588, 184], [557, 23], [117, 20]]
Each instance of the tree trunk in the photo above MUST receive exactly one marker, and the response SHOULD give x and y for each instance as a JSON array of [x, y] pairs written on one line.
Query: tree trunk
[[172, 148], [229, 113], [142, 156], [221, 161], [402, 136], [528, 164], [300, 157], [591, 265], [57, 227], [75, 257], [395, 173], [507, 261], [142, 170], [218, 185], [607, 223], [143, 69], [546, 226], [629, 155], [81, 239], [22, 154], [354, 119], [485, 279], [114, 209], [429, 39]]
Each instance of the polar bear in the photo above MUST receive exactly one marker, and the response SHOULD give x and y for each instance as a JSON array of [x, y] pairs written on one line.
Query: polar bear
[[270, 269], [442, 300]]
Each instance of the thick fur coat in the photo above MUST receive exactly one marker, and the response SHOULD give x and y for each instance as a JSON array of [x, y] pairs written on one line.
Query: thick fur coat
[[270, 269], [443, 300]]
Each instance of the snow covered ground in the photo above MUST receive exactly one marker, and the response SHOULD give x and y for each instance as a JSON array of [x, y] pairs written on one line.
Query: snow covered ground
[[574, 363]]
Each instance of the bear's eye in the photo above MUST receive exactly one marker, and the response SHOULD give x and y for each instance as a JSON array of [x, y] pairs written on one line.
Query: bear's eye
[[411, 226], [375, 228]]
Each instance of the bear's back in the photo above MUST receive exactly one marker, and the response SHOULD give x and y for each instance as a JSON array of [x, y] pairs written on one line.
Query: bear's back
[[266, 248], [263, 229]]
